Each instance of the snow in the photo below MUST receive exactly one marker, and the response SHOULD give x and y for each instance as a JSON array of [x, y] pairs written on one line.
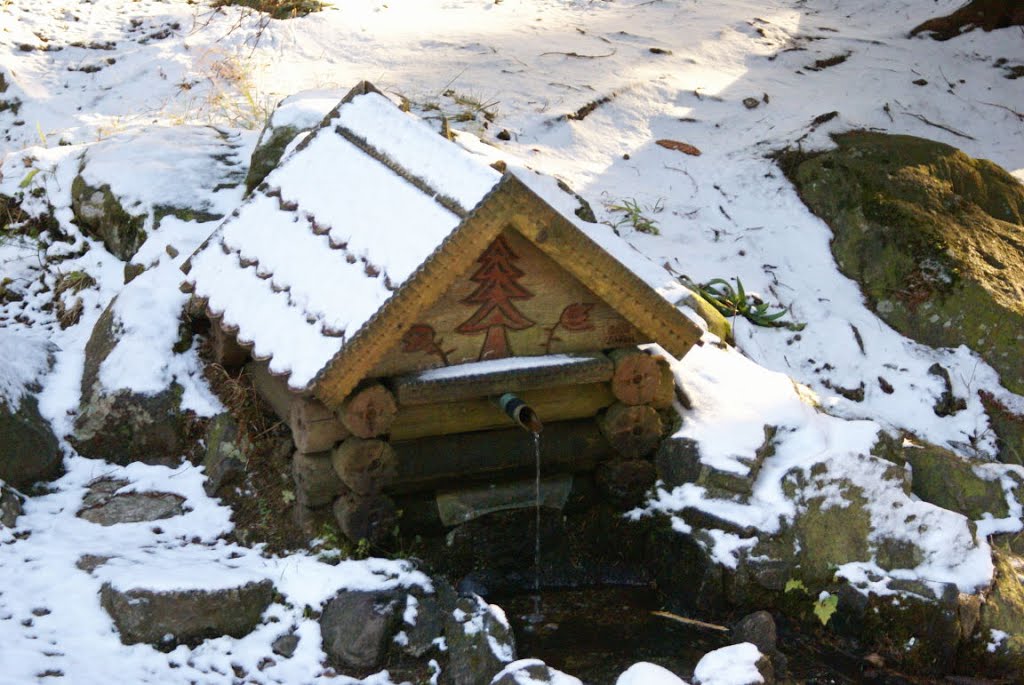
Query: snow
[[732, 665], [171, 111], [497, 366], [445, 168], [521, 677], [644, 673], [24, 360]]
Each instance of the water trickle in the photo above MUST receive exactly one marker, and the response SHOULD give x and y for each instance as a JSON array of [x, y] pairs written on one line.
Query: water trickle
[[537, 616]]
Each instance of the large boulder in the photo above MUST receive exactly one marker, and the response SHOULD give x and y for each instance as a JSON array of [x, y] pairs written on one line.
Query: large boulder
[[166, 619], [28, 447], [357, 627], [933, 237], [121, 425]]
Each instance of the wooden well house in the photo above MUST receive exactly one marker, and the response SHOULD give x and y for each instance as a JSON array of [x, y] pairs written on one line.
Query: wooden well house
[[386, 287]]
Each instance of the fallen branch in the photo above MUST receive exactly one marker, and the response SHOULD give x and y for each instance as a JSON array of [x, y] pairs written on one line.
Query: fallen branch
[[691, 621], [961, 134], [578, 55]]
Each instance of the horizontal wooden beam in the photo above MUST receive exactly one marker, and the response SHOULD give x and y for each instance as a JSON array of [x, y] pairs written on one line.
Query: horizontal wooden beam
[[428, 463], [314, 427], [497, 377], [552, 404]]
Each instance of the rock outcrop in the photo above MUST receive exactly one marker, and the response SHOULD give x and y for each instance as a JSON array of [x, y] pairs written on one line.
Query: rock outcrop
[[932, 236]]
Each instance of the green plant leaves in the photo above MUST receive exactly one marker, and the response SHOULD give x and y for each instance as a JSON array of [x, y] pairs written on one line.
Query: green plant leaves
[[736, 301], [825, 607]]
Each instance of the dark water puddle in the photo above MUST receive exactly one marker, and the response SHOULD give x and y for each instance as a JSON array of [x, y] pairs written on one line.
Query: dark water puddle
[[597, 633]]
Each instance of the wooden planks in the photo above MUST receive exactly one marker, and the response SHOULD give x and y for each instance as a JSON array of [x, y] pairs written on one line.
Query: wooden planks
[[486, 379], [550, 404], [314, 427]]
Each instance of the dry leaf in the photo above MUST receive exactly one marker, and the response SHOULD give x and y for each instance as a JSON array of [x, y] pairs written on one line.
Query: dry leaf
[[685, 148]]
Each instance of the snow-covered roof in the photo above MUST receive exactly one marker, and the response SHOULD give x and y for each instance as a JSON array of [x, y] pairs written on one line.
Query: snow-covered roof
[[337, 230], [334, 231]]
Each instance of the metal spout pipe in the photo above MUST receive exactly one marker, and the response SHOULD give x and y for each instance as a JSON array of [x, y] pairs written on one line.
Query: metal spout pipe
[[520, 412]]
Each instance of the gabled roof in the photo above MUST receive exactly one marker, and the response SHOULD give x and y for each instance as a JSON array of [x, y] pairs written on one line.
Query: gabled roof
[[365, 225]]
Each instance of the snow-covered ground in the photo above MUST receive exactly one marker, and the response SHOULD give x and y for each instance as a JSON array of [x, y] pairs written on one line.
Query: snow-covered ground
[[166, 98]]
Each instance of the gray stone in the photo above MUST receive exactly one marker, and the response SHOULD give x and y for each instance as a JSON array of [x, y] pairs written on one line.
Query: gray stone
[[124, 426], [316, 483], [370, 518], [224, 459], [429, 622], [91, 562], [285, 645], [167, 619], [28, 448], [10, 506], [133, 507], [356, 627], [758, 629], [480, 641]]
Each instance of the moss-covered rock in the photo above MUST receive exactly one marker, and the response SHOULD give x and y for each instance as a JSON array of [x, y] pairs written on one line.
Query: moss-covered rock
[[268, 153], [998, 646], [934, 237], [99, 213], [829, 535], [954, 483]]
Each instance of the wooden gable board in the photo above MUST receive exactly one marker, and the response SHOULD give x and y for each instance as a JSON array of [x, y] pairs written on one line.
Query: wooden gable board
[[547, 311], [510, 205]]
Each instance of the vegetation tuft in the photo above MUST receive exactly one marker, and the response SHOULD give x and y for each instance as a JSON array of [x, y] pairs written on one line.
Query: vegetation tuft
[[277, 9], [632, 214], [737, 301]]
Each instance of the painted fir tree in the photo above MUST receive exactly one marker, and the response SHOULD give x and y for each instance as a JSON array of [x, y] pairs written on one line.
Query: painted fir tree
[[497, 287]]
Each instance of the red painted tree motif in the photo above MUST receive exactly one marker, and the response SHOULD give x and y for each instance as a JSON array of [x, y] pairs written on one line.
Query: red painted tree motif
[[497, 288]]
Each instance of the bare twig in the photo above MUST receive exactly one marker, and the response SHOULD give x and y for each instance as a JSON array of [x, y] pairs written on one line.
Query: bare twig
[[691, 621], [920, 117], [1014, 112], [578, 55]]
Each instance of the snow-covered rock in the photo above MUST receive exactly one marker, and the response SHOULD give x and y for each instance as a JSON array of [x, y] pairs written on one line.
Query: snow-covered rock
[[532, 672], [480, 641], [740, 664], [165, 618], [28, 448]]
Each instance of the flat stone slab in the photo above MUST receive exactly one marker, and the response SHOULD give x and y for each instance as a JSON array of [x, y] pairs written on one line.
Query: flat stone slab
[[104, 507]]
